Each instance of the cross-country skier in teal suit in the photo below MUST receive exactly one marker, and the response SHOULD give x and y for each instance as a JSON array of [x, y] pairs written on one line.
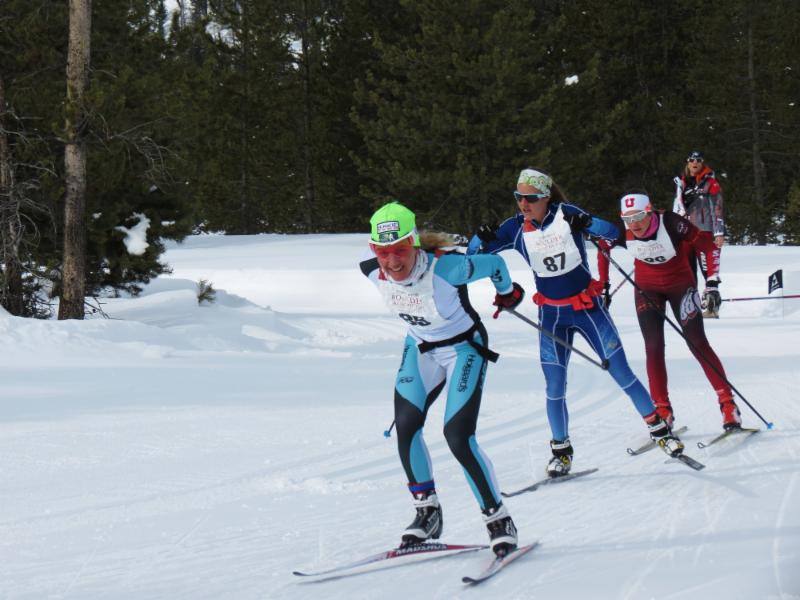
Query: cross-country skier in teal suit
[[446, 346]]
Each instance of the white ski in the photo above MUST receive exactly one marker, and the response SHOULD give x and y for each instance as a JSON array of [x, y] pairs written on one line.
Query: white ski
[[650, 444], [401, 555], [728, 433], [499, 563]]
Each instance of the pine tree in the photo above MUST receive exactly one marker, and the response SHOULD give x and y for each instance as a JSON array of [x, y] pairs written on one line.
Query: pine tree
[[236, 127], [32, 51], [615, 95], [449, 114], [745, 86], [131, 159]]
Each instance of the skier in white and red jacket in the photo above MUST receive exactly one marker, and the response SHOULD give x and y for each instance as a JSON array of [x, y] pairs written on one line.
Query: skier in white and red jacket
[[698, 197]]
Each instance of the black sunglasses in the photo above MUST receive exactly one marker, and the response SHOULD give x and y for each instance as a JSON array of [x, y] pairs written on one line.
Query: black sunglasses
[[697, 160], [529, 197]]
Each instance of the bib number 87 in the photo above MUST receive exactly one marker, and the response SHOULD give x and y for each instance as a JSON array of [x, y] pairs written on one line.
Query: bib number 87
[[550, 262]]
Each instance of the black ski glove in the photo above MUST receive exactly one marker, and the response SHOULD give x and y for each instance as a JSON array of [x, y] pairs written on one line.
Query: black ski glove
[[578, 221], [486, 233], [509, 300], [711, 298], [690, 194], [607, 294]]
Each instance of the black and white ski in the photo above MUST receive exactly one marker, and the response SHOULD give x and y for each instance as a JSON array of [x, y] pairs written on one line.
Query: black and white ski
[[688, 461], [396, 556], [746, 430], [650, 444], [499, 563], [548, 481]]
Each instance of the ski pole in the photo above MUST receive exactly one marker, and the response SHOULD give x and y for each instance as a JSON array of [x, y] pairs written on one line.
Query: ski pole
[[619, 285], [388, 432], [603, 365], [680, 332], [761, 298]]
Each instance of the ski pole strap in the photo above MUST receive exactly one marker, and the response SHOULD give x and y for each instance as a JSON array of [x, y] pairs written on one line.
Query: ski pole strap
[[483, 351]]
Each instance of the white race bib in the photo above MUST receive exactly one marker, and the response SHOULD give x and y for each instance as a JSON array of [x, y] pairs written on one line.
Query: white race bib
[[414, 303], [553, 251], [653, 252]]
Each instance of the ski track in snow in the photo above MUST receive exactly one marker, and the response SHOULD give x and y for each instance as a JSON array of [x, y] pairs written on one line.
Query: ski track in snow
[[207, 452]]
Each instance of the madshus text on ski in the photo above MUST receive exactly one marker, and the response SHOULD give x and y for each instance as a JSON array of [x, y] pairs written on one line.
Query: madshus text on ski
[[423, 279]]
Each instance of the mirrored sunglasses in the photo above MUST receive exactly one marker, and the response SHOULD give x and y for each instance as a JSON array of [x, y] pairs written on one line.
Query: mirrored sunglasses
[[635, 217], [691, 160], [529, 197]]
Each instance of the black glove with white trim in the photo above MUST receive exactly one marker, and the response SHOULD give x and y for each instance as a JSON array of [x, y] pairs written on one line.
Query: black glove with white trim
[[486, 233]]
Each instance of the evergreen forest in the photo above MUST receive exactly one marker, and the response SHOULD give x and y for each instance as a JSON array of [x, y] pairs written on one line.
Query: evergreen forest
[[303, 116]]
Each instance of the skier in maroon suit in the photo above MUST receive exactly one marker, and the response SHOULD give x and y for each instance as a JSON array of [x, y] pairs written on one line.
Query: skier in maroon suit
[[662, 244]]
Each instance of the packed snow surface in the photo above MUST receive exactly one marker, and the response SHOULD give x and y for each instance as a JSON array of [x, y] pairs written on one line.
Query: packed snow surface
[[176, 450]]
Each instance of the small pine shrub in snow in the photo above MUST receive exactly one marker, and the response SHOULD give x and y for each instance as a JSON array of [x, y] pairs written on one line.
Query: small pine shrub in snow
[[206, 292]]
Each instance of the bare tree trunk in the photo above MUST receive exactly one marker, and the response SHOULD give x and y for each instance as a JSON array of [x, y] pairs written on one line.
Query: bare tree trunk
[[199, 10], [199, 14], [758, 165], [308, 158], [245, 200], [74, 271], [10, 227]]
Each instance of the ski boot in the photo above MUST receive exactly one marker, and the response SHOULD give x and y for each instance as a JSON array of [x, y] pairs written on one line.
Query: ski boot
[[561, 462], [661, 434], [428, 523], [731, 417], [502, 532]]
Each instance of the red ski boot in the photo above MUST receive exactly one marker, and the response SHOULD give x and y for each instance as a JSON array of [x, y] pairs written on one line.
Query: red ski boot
[[731, 417]]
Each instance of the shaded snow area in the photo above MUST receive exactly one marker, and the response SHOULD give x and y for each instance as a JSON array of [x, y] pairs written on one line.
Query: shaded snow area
[[184, 451]]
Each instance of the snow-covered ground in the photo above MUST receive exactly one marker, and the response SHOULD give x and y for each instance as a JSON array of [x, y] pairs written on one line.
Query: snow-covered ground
[[185, 451]]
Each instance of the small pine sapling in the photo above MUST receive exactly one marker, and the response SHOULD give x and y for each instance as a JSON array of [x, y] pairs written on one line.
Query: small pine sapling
[[206, 292]]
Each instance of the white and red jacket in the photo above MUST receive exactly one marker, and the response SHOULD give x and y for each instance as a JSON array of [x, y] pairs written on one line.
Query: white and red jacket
[[662, 255]]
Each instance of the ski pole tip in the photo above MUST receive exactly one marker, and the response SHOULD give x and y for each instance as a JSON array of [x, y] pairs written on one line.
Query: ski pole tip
[[387, 434], [770, 425]]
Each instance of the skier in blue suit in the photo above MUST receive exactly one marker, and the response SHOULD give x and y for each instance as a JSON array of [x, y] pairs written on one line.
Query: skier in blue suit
[[548, 233], [446, 346]]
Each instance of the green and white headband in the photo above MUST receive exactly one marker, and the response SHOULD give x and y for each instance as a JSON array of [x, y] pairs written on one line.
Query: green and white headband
[[537, 179]]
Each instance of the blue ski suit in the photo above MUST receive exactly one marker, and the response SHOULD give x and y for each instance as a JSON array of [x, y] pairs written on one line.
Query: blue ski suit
[[557, 257]]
